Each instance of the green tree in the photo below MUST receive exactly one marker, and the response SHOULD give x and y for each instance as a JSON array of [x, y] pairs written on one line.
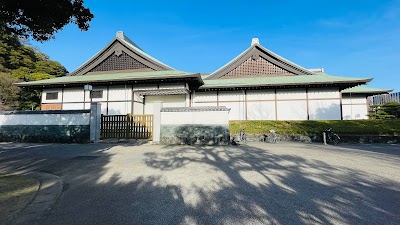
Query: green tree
[[41, 19], [390, 110], [9, 94], [23, 63]]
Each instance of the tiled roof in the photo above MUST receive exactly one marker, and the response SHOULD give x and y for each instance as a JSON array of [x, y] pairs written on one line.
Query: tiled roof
[[364, 89], [107, 77], [320, 78]]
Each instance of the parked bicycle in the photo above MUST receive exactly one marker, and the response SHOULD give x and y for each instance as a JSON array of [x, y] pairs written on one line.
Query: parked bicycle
[[242, 136], [331, 137]]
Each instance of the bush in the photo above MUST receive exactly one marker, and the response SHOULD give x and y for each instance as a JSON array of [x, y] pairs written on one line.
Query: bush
[[311, 127]]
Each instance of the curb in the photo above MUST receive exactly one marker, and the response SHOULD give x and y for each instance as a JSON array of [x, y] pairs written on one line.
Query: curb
[[49, 191]]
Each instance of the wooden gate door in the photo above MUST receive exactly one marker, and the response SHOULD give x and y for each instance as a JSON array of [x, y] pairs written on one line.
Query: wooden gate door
[[127, 126]]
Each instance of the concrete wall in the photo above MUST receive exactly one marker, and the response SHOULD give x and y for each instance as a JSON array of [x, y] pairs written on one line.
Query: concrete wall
[[45, 126], [195, 125]]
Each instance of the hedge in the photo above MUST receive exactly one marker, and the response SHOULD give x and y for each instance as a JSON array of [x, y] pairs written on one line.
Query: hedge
[[311, 127]]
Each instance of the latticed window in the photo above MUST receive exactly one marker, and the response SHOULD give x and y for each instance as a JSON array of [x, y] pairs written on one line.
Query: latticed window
[[52, 96], [96, 94]]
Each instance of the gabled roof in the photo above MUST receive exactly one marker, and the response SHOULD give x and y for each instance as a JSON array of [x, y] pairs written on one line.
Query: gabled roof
[[256, 52], [124, 53], [285, 81], [362, 89]]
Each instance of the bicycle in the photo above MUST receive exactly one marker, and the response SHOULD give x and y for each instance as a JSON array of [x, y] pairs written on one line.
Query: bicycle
[[331, 137]]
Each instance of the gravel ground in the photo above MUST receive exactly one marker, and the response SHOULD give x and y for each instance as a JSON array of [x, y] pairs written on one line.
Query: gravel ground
[[257, 183]]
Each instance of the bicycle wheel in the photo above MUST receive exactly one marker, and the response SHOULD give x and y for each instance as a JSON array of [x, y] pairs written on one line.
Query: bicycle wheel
[[335, 139]]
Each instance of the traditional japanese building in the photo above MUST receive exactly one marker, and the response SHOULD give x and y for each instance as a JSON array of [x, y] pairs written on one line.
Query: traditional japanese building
[[256, 85]]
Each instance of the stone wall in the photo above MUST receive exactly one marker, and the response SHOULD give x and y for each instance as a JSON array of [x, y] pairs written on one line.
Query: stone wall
[[59, 126], [194, 125]]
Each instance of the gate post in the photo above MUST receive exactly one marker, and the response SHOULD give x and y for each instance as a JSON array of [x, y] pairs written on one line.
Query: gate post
[[95, 117], [157, 122]]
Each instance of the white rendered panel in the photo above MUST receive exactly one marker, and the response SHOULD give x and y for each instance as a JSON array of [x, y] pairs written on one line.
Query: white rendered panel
[[317, 93], [172, 86], [138, 108], [355, 112], [354, 100], [204, 118], [261, 95], [145, 87], [73, 95], [346, 110], [45, 119], [167, 101], [204, 104], [324, 109], [120, 93], [230, 96], [205, 96], [291, 94], [237, 110], [72, 106], [261, 111], [292, 110], [58, 100], [119, 108]]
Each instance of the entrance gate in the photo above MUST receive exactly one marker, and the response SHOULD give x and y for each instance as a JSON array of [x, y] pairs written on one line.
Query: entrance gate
[[127, 126]]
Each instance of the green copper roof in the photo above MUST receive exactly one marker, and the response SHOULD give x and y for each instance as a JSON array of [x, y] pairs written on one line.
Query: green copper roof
[[320, 78], [365, 89], [108, 77]]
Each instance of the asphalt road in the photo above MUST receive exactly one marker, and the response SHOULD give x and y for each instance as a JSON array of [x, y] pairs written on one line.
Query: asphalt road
[[258, 183]]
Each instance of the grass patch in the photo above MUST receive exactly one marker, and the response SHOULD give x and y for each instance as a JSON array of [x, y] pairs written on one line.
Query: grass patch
[[311, 127], [16, 191]]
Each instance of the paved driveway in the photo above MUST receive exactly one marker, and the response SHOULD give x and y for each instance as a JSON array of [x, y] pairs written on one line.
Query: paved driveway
[[258, 183]]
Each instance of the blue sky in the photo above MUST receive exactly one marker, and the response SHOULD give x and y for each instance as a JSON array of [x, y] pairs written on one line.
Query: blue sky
[[347, 38]]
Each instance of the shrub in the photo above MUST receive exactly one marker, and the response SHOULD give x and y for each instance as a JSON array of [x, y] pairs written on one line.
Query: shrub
[[311, 127]]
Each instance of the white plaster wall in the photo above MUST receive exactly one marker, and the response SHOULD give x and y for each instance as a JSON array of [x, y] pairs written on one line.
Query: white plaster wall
[[204, 104], [261, 95], [318, 93], [237, 110], [145, 87], [292, 110], [324, 109], [138, 108], [172, 86], [354, 100], [230, 96], [72, 106], [73, 95], [59, 90], [204, 96], [355, 112], [291, 94], [261, 110], [119, 108], [120, 93], [204, 118], [45, 119], [167, 101]]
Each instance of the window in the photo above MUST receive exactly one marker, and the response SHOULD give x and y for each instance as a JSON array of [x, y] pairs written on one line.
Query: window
[[96, 94], [52, 96]]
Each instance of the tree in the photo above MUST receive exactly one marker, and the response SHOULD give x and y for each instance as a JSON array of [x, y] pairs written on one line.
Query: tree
[[23, 63], [9, 93], [390, 110], [41, 19]]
